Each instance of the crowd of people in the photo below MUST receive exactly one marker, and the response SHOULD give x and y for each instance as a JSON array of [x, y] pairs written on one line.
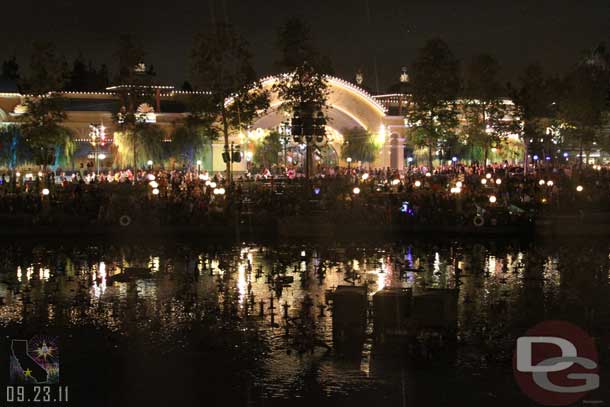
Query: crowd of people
[[457, 194]]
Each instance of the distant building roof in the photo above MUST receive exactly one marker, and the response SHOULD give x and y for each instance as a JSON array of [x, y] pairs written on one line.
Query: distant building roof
[[91, 105]]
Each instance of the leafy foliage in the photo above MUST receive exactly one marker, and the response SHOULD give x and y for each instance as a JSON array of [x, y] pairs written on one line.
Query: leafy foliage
[[296, 45], [42, 131], [485, 111], [146, 138], [435, 85], [221, 64], [359, 145], [268, 150]]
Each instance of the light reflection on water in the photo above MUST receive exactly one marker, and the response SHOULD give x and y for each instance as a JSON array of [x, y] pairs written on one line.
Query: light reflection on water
[[502, 291]]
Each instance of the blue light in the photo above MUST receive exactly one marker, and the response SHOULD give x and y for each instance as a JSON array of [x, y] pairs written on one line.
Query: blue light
[[548, 158], [565, 155], [454, 159], [316, 190], [406, 209], [536, 157], [409, 159]]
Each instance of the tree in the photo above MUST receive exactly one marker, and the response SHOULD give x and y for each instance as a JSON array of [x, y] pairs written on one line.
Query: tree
[[147, 138], [304, 95], [10, 69], [359, 145], [135, 90], [84, 77], [42, 130], [484, 109], [190, 138], [221, 64], [583, 105], [47, 69], [268, 150], [534, 107], [13, 150], [296, 46], [435, 85], [41, 124]]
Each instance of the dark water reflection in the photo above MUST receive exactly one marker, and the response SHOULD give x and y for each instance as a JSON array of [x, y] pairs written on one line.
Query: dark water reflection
[[193, 329]]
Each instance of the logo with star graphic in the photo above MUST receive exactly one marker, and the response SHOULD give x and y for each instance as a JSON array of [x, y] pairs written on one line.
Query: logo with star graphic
[[34, 361]]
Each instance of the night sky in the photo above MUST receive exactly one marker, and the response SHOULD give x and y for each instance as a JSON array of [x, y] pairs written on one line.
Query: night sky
[[353, 32]]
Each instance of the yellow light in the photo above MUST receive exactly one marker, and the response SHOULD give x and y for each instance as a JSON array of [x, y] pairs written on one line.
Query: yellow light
[[203, 177], [498, 181], [40, 174], [549, 183], [483, 181], [356, 190], [579, 188], [492, 199], [456, 190], [365, 176], [153, 184], [102, 156], [488, 176], [155, 191], [395, 181], [417, 184], [543, 200], [458, 184], [428, 174], [45, 192], [212, 185], [541, 182], [150, 177]]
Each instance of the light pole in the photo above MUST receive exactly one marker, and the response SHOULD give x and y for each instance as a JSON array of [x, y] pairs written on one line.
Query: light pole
[[231, 155], [97, 132], [311, 129]]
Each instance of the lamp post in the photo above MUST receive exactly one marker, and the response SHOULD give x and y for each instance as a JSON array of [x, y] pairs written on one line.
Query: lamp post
[[309, 128], [97, 133], [285, 132], [231, 155]]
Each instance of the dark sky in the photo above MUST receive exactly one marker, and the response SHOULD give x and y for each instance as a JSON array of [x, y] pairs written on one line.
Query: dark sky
[[353, 32]]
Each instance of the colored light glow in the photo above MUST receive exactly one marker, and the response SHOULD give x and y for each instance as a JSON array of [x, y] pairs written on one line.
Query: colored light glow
[[356, 190], [541, 182], [417, 184], [459, 184], [498, 181], [492, 199], [155, 191], [488, 176], [549, 183], [45, 192], [365, 176], [579, 188], [483, 181]]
